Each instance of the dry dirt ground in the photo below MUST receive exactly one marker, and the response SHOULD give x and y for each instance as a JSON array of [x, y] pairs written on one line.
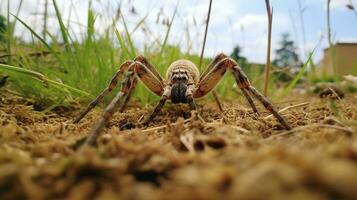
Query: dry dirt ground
[[212, 155]]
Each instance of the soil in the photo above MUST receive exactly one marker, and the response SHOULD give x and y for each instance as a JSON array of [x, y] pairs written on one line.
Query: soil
[[181, 155]]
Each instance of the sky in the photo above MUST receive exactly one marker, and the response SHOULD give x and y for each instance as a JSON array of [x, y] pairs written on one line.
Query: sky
[[233, 22]]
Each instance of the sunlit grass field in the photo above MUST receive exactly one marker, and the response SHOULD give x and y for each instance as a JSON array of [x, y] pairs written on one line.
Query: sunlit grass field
[[63, 68], [79, 68]]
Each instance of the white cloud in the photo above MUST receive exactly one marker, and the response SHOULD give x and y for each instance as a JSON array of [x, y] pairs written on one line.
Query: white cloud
[[251, 21], [227, 20]]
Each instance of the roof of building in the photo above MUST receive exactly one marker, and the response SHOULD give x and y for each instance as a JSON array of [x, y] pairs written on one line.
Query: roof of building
[[343, 44]]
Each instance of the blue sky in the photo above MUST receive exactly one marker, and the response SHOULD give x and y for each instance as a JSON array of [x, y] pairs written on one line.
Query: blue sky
[[232, 22]]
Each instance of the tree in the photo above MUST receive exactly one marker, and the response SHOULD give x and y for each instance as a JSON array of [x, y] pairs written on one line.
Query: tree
[[241, 60], [286, 55], [236, 54]]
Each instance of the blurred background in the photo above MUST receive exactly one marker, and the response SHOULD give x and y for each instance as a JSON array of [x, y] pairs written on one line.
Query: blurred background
[[78, 45]]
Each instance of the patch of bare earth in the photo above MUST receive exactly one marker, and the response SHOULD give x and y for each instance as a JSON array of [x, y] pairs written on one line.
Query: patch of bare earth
[[212, 155]]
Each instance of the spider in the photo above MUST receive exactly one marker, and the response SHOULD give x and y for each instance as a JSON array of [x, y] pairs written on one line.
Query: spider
[[182, 85]]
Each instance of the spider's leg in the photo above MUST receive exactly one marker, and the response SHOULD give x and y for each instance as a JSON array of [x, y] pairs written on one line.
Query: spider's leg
[[149, 66], [211, 78], [158, 107], [248, 97], [191, 103], [148, 77], [128, 96], [189, 97], [216, 98], [110, 87], [244, 84], [127, 85], [209, 68], [214, 73], [156, 110]]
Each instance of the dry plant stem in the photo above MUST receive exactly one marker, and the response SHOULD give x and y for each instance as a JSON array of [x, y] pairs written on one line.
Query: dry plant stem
[[267, 65], [161, 127], [188, 120], [44, 31], [287, 108], [206, 30], [219, 103], [301, 11], [329, 37], [344, 129]]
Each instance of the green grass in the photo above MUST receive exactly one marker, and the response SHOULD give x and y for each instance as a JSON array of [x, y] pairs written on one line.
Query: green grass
[[81, 70], [78, 69]]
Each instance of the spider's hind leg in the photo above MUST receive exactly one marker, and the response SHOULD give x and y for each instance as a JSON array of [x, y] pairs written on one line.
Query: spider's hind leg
[[244, 85], [215, 72]]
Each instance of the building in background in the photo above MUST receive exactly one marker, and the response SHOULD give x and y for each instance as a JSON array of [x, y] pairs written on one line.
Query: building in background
[[345, 59]]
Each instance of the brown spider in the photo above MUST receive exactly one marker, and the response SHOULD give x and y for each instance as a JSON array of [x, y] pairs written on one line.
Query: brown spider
[[183, 84]]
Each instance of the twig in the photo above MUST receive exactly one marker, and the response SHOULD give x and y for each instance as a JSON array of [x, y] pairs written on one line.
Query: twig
[[202, 53], [206, 30], [329, 37], [267, 65], [302, 23], [154, 128], [45, 13], [231, 126], [287, 108], [161, 127], [344, 129]]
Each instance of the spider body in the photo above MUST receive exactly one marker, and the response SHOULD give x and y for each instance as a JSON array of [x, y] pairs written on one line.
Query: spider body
[[180, 75], [183, 84]]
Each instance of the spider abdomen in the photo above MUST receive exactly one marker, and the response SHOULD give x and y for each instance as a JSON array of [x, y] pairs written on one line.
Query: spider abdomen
[[183, 67]]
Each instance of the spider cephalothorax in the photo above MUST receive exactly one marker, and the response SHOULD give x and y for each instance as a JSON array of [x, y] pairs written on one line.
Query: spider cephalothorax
[[180, 75], [183, 83]]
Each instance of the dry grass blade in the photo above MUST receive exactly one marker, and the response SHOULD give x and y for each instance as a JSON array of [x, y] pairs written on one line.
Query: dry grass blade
[[161, 127], [205, 36], [288, 108], [267, 65], [317, 125]]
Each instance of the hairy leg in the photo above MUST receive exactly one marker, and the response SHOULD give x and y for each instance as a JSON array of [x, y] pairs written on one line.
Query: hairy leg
[[128, 96], [218, 102], [211, 78], [110, 87], [148, 76], [243, 82], [156, 111], [110, 109], [158, 107]]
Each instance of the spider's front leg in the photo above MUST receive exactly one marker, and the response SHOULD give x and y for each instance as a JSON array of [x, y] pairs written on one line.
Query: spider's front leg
[[107, 90], [219, 66], [147, 74], [127, 86]]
